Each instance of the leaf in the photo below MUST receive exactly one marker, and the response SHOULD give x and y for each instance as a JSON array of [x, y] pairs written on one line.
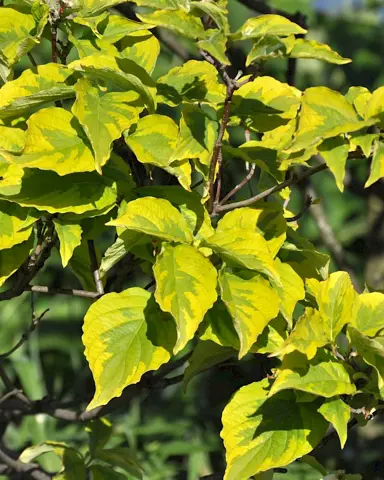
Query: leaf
[[359, 97], [374, 108], [154, 140], [12, 258], [261, 432], [185, 287], [80, 264], [216, 45], [205, 355], [100, 472], [16, 224], [303, 48], [335, 411], [252, 303], [141, 47], [12, 139], [377, 167], [335, 153], [218, 327], [179, 21], [246, 248], [267, 25], [54, 141], [156, 217], [268, 220], [123, 74], [319, 120], [76, 193], [70, 237], [92, 7], [121, 457], [323, 376], [218, 14], [99, 431], [368, 315], [270, 46], [10, 177], [335, 298], [164, 4], [103, 117], [371, 351], [124, 336], [292, 290], [195, 81], [272, 338], [30, 90], [182, 170], [307, 336], [115, 28], [124, 244]]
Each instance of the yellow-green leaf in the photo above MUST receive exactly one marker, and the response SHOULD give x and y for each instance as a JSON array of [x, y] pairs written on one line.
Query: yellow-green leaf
[[335, 411], [216, 45], [156, 217], [377, 167], [185, 287], [141, 47], [15, 224], [75, 193], [92, 7], [103, 117], [268, 220], [218, 327], [178, 21], [80, 264], [270, 46], [335, 153], [267, 25], [124, 338], [12, 139], [246, 248], [292, 289], [116, 27], [375, 106], [368, 315], [205, 355], [335, 298], [10, 177], [261, 432], [195, 81], [154, 140], [308, 335], [303, 48], [54, 141], [12, 258], [164, 4], [359, 97], [323, 376], [70, 237], [252, 303]]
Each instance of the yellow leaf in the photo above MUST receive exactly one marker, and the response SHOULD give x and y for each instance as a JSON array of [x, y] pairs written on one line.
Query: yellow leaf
[[368, 315]]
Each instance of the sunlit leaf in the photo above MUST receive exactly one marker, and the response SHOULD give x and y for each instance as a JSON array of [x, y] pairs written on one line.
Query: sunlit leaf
[[377, 167], [335, 411], [267, 25], [15, 224], [303, 48], [179, 21], [368, 315], [69, 237], [12, 258]]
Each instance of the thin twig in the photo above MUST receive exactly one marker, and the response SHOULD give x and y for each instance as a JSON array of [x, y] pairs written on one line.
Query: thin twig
[[34, 323], [27, 470], [62, 291], [95, 268], [240, 185], [32, 60], [307, 206]]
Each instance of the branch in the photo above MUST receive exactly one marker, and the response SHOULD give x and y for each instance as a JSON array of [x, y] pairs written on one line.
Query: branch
[[307, 206], [95, 268], [260, 196], [27, 470], [62, 291]]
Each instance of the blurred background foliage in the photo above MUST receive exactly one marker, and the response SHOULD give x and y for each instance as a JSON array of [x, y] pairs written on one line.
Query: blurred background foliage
[[176, 434]]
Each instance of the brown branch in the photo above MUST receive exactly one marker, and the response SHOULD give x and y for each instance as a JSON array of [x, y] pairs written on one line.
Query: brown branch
[[62, 291], [240, 185], [27, 470], [307, 206], [95, 268]]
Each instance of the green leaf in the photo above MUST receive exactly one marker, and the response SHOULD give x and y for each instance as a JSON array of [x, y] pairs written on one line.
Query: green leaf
[[335, 411], [124, 244], [205, 355], [218, 327], [122, 457], [377, 167], [374, 108], [268, 220], [292, 290], [371, 351], [267, 25], [185, 287], [154, 140], [216, 45], [12, 139], [262, 432], [335, 153], [16, 224], [272, 338], [10, 177], [125, 336], [156, 217], [164, 4], [368, 315], [246, 248], [319, 120], [54, 141], [70, 237], [76, 193], [218, 14], [307, 336], [30, 90], [12, 258], [179, 21], [335, 298], [103, 117], [80, 264], [323, 376], [195, 81], [116, 27], [303, 48], [99, 431], [270, 46], [92, 7], [141, 47], [123, 74], [252, 303], [100, 472]]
